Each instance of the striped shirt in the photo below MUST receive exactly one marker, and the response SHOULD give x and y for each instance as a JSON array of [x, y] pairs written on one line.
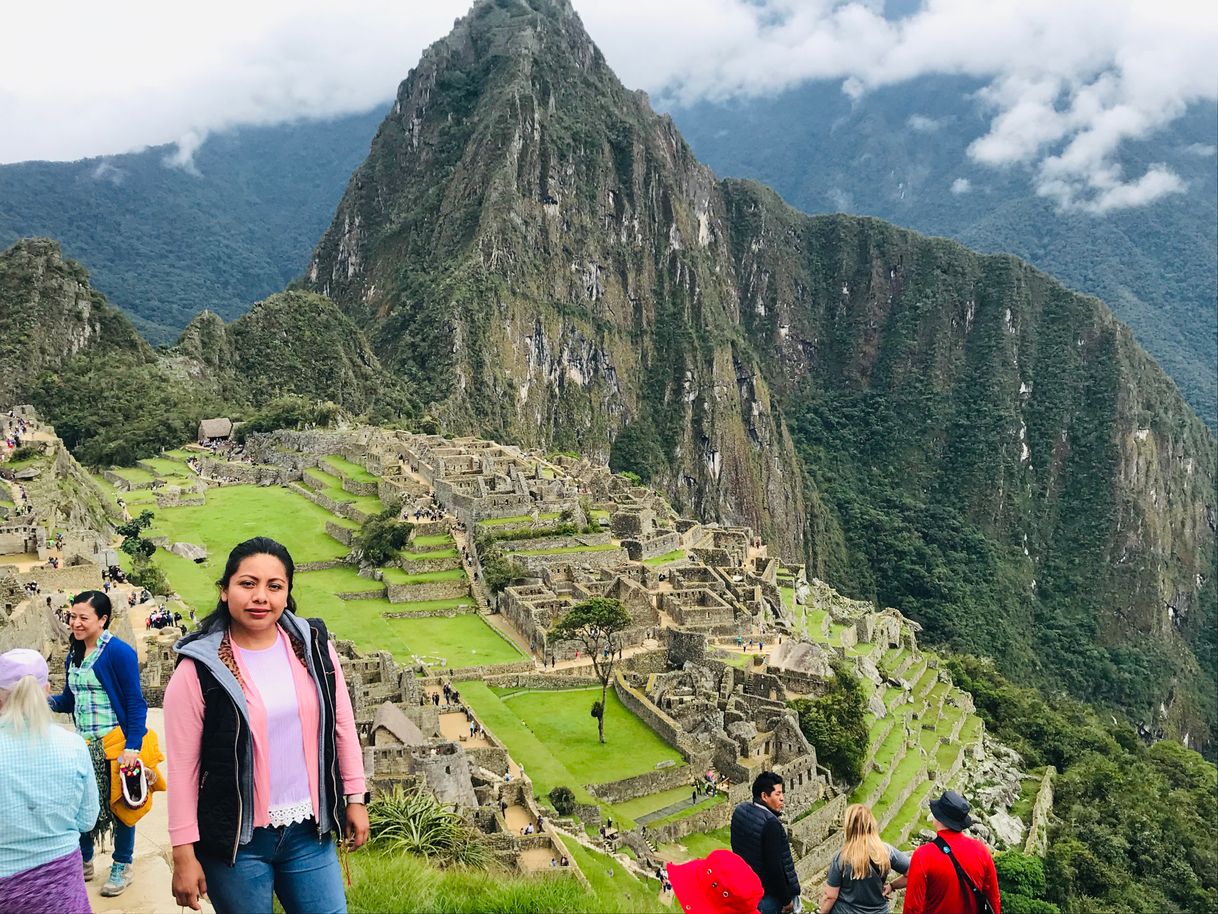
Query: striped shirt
[[94, 715], [48, 796]]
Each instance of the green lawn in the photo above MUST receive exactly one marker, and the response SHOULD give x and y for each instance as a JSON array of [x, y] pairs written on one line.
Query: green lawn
[[419, 606], [438, 539], [434, 554], [554, 737], [701, 843], [675, 555], [623, 888], [353, 471], [398, 576], [913, 812], [344, 579], [165, 466], [135, 475], [640, 806], [332, 488]]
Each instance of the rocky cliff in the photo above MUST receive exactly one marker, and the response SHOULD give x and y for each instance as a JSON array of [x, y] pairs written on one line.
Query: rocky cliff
[[544, 261], [49, 313]]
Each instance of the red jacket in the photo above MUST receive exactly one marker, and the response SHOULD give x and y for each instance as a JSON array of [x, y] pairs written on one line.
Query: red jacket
[[934, 887]]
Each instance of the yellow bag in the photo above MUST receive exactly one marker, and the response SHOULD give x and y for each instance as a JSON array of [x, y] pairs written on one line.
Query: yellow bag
[[113, 743]]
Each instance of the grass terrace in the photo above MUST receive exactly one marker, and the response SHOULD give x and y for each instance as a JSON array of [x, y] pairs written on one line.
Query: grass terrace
[[133, 475], [349, 469], [332, 488], [164, 466], [667, 558], [431, 542], [398, 576], [552, 734], [434, 554], [623, 889]]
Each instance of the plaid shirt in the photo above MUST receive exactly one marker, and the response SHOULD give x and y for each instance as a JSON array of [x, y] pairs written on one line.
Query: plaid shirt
[[94, 714]]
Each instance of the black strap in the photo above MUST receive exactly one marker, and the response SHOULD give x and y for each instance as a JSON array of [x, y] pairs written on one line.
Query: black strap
[[970, 888]]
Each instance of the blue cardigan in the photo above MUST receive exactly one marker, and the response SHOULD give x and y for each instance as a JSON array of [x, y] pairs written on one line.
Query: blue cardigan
[[118, 671]]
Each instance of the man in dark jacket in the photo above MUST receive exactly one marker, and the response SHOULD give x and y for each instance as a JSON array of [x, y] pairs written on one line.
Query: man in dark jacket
[[758, 837]]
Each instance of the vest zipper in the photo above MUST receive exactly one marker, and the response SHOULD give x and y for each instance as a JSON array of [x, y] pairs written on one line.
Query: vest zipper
[[237, 771], [325, 690]]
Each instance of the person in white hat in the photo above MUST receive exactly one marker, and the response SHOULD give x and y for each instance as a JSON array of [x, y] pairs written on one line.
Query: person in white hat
[[48, 796]]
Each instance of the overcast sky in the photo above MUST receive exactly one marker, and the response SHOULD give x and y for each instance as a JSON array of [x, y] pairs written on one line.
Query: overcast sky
[[1068, 81]]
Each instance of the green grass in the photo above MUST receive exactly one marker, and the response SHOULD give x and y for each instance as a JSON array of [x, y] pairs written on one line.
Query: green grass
[[332, 488], [691, 809], [344, 579], [788, 598], [383, 882], [554, 737], [623, 888], [564, 550], [347, 468], [419, 606], [434, 554], [701, 843], [398, 576], [640, 806], [134, 475], [815, 626], [438, 539], [164, 466], [673, 556], [913, 811]]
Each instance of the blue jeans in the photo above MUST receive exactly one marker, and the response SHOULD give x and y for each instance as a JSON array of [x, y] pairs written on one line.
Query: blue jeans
[[124, 843], [289, 862], [769, 905]]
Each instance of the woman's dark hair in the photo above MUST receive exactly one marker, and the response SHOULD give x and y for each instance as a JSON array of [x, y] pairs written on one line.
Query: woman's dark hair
[[220, 618], [100, 604]]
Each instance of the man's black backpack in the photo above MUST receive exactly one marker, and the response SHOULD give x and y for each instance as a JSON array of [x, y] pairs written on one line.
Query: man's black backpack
[[980, 900]]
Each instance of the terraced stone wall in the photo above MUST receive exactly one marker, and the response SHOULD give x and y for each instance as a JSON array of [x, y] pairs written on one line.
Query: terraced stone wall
[[642, 785], [431, 590]]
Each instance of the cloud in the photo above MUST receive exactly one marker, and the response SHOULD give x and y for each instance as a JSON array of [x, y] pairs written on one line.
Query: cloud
[[1201, 150], [1066, 84], [961, 186], [183, 155], [920, 123]]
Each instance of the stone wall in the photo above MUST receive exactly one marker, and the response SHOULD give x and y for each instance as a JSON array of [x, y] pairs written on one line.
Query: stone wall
[[344, 535], [607, 558], [359, 488], [706, 819], [543, 681], [1038, 832], [813, 829], [73, 578], [817, 860], [240, 473], [432, 590], [641, 785], [32, 626], [664, 726]]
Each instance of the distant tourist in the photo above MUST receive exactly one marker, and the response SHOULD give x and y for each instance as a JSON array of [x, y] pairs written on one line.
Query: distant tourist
[[103, 692], [253, 810], [954, 872], [857, 880], [759, 837], [48, 796], [720, 883]]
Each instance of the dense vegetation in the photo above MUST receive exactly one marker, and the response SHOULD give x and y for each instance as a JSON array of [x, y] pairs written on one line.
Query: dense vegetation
[[164, 243], [1134, 825], [895, 153], [836, 724]]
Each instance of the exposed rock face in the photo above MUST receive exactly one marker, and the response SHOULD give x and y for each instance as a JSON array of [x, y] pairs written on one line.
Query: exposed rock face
[[48, 313], [546, 263], [546, 260]]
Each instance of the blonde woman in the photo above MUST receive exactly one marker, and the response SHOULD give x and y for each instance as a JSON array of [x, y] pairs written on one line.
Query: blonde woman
[[47, 796], [859, 871]]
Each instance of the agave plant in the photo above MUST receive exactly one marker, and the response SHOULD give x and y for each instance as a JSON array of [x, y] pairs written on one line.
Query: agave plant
[[413, 821]]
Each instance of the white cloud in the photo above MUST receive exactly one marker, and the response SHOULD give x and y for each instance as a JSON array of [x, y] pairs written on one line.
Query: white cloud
[[1067, 81], [920, 123], [961, 186], [183, 155], [1201, 150]]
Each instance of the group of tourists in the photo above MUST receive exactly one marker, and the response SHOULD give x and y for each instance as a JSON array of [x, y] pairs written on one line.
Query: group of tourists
[[161, 617], [953, 874], [267, 769]]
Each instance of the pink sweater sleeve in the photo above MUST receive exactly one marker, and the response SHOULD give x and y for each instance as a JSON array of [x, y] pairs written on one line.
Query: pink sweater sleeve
[[183, 743], [350, 755]]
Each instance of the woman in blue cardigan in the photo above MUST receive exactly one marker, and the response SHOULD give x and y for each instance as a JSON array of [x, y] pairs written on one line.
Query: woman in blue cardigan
[[102, 692]]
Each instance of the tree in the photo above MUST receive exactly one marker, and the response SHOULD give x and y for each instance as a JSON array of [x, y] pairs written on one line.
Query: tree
[[595, 624], [563, 799], [836, 724], [380, 540]]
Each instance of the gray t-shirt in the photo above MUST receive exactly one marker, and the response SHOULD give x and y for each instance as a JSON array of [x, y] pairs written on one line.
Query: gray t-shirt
[[866, 895]]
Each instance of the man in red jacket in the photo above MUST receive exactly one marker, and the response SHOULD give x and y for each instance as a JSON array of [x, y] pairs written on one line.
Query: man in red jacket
[[935, 887]]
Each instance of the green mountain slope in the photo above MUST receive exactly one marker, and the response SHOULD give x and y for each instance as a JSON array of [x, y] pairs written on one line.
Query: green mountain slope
[[545, 261], [1156, 265], [163, 243]]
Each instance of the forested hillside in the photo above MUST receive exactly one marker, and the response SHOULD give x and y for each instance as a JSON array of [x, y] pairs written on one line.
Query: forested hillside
[[165, 243], [898, 153]]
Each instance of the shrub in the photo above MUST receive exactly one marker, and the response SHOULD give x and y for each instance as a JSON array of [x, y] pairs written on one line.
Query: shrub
[[413, 821], [380, 540], [836, 724], [499, 571], [563, 800]]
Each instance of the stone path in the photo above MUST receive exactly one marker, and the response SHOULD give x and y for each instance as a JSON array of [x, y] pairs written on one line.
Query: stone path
[[673, 808], [151, 891]]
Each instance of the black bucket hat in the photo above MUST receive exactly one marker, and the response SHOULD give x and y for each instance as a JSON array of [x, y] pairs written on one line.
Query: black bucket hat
[[952, 810]]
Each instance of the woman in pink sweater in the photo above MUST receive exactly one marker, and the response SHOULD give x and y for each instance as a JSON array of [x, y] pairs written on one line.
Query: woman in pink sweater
[[264, 760]]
